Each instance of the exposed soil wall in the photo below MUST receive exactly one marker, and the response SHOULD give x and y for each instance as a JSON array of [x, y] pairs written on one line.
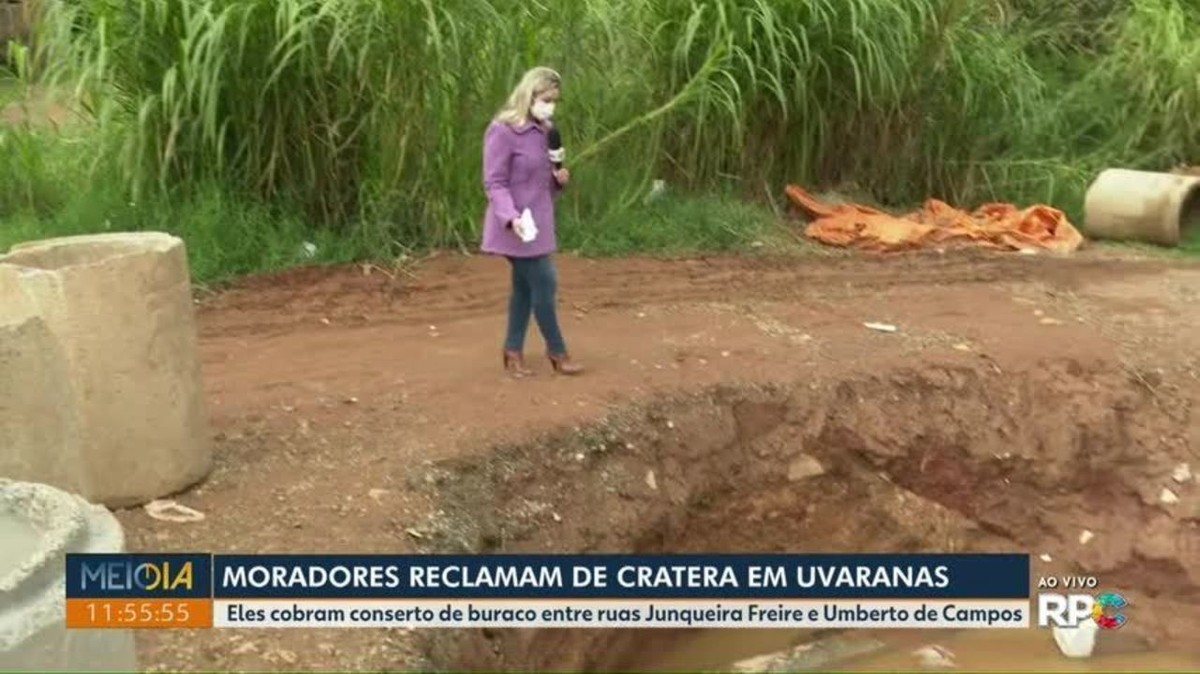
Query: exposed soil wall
[[945, 459]]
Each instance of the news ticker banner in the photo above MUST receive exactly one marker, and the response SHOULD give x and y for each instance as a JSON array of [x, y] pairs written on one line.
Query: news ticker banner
[[563, 591]]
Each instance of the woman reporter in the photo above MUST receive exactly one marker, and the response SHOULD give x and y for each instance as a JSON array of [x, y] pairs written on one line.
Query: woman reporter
[[519, 176]]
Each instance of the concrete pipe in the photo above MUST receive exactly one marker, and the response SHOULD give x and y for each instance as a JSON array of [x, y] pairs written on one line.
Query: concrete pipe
[[120, 309], [1158, 208], [39, 430], [40, 525]]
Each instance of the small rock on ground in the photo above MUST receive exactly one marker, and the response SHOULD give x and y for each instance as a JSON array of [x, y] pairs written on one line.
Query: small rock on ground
[[804, 467]]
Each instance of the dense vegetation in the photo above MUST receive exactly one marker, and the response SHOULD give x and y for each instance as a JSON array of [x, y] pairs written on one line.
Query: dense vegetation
[[250, 126]]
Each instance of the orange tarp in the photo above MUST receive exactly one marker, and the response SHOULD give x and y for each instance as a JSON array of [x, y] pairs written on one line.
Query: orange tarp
[[937, 225]]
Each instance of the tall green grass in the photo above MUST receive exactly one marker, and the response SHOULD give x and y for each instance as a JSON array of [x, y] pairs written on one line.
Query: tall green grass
[[364, 117]]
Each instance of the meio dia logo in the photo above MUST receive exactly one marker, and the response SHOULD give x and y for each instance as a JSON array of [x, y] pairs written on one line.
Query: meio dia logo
[[117, 576]]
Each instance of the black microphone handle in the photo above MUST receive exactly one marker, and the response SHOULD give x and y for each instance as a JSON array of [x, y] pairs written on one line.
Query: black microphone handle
[[554, 139]]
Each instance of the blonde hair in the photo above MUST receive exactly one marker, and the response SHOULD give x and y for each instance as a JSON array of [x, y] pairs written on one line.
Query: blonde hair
[[534, 83]]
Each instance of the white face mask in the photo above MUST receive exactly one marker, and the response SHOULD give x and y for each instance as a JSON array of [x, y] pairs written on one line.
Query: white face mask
[[542, 110]]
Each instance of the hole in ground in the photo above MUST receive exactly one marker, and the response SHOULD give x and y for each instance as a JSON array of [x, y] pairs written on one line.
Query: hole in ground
[[941, 460], [1189, 220]]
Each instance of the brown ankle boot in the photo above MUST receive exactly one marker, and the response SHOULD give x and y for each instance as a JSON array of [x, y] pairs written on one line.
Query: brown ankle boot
[[564, 365], [514, 364]]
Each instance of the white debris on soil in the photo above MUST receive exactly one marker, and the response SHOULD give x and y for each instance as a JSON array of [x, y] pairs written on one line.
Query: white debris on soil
[[245, 647], [414, 533], [671, 424], [814, 656], [1182, 473], [580, 456], [1050, 321], [935, 657], [804, 467], [281, 655], [651, 481], [1046, 558], [1077, 642], [1168, 497], [377, 494], [170, 511], [880, 327], [758, 663], [1085, 536]]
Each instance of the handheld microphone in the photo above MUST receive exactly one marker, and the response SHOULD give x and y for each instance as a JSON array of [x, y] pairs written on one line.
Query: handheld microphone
[[557, 153]]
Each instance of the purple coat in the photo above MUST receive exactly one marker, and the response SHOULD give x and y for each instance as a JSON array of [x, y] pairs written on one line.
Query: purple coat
[[517, 174]]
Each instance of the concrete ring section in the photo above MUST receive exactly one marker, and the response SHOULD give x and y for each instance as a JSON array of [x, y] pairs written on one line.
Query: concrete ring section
[[39, 526], [39, 430], [1156, 208], [116, 312]]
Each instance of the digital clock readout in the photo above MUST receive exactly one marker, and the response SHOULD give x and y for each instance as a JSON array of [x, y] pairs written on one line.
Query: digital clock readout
[[139, 613]]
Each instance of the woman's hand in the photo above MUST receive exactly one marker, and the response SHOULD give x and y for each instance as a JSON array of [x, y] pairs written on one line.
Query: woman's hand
[[562, 177]]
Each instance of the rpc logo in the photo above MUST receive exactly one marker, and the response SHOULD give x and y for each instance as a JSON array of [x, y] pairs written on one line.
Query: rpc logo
[[1071, 610], [115, 576]]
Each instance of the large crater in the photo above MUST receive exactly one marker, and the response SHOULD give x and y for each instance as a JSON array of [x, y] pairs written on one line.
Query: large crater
[[938, 460]]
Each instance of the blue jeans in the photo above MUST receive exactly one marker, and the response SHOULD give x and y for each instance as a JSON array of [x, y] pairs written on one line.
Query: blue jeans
[[534, 290]]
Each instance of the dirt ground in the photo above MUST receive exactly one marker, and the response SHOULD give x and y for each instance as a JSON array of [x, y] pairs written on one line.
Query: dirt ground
[[342, 398]]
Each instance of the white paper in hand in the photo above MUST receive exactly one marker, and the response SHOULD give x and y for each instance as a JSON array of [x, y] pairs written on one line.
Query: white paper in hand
[[526, 227]]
